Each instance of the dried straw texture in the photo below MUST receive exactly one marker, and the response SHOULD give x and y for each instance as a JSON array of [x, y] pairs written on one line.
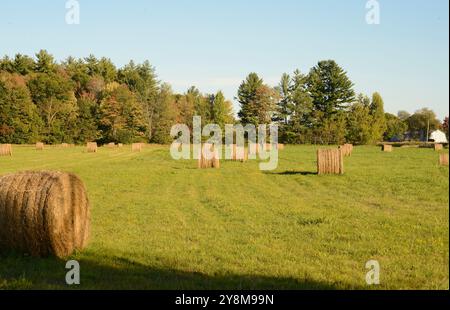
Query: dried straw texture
[[330, 161], [43, 213], [438, 147], [91, 147], [347, 149], [386, 148], [39, 146], [5, 150], [136, 147], [443, 159], [204, 162]]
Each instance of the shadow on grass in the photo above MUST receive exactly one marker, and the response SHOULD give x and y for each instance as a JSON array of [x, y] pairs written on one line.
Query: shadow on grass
[[293, 172], [19, 272]]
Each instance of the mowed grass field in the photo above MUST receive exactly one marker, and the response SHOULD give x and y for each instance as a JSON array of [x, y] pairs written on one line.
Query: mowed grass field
[[158, 223]]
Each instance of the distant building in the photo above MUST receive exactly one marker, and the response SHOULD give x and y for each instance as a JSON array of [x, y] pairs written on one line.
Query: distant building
[[438, 137]]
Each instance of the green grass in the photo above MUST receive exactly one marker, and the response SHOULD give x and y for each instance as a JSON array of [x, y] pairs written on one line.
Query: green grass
[[163, 224]]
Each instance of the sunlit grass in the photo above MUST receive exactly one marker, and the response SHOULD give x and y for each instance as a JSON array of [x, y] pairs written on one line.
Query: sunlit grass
[[163, 224]]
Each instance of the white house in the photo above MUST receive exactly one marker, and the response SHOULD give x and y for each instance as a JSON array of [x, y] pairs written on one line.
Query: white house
[[438, 137]]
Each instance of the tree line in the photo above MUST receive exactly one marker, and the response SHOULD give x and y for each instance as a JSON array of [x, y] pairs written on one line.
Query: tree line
[[90, 99], [322, 107]]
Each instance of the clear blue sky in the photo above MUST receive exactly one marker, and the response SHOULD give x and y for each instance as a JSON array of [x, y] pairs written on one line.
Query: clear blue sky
[[215, 44]]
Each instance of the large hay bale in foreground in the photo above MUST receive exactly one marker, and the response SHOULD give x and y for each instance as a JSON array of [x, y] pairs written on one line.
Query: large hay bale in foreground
[[438, 147], [39, 146], [91, 147], [5, 150], [136, 147], [443, 159], [43, 213], [330, 161], [386, 148], [347, 149]]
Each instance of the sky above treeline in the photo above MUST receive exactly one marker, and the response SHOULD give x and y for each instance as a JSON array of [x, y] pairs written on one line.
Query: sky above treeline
[[215, 44]]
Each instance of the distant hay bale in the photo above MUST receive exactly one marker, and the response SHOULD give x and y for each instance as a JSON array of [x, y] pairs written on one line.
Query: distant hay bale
[[120, 145], [64, 145], [5, 150], [91, 147], [330, 161], [438, 147], [43, 213], [386, 148], [443, 159], [264, 147], [39, 146], [239, 153], [136, 147], [280, 146], [204, 162], [111, 145], [347, 149]]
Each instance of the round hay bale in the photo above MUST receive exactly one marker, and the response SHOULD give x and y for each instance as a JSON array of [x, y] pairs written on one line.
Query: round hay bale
[[5, 150], [136, 147], [91, 147], [443, 159], [43, 213], [330, 161], [438, 147], [386, 148], [39, 146]]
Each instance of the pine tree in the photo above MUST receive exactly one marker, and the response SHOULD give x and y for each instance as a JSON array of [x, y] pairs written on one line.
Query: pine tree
[[247, 93], [329, 87]]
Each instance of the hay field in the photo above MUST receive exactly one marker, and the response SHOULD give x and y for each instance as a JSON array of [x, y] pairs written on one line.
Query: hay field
[[157, 223]]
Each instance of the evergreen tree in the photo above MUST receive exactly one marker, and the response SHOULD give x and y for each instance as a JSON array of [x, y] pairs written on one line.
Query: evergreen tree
[[331, 92], [247, 97], [329, 87], [45, 63], [299, 127]]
